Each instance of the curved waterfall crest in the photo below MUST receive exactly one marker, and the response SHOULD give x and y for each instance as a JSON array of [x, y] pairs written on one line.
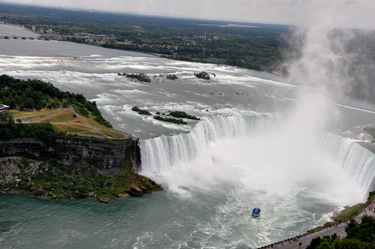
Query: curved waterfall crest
[[162, 153]]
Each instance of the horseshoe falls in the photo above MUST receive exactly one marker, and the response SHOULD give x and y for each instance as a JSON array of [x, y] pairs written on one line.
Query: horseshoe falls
[[234, 164], [247, 153]]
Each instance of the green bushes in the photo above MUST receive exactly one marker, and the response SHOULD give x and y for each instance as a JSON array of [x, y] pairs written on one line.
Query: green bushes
[[81, 110], [179, 114], [350, 212], [355, 244], [102, 121], [370, 197], [54, 104], [141, 111], [40, 131], [172, 120]]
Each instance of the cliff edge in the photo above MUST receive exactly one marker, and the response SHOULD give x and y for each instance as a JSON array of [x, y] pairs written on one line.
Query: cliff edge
[[73, 168]]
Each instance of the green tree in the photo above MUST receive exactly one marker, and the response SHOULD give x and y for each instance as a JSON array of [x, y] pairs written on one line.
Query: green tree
[[314, 243], [330, 242], [355, 244], [12, 103], [6, 117], [29, 103], [365, 231], [65, 103]]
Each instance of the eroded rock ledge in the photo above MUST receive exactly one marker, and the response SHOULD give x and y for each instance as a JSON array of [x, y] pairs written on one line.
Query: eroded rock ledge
[[73, 168]]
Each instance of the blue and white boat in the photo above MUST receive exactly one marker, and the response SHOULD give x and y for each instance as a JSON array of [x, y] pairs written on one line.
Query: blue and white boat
[[256, 213]]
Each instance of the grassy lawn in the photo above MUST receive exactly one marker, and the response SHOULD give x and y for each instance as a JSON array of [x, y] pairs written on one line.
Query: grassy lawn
[[112, 133], [67, 116], [17, 113], [72, 128]]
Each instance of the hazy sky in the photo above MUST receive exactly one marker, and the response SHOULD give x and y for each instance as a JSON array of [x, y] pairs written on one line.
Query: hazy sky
[[349, 13]]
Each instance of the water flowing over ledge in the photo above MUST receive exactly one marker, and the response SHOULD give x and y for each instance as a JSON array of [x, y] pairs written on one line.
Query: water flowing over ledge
[[356, 161], [163, 153]]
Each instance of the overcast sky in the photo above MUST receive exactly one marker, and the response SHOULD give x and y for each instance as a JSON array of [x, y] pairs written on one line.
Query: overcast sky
[[347, 13]]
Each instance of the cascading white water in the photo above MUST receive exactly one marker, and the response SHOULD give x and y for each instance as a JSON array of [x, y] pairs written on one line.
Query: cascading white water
[[161, 153], [355, 160], [252, 141]]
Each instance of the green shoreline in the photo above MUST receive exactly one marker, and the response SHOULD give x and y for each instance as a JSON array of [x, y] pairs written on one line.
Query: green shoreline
[[347, 213]]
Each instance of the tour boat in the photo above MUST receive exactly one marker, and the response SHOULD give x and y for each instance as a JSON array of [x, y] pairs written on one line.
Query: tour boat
[[255, 213]]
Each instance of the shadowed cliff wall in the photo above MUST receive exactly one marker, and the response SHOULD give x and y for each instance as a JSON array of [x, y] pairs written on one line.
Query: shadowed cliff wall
[[108, 155]]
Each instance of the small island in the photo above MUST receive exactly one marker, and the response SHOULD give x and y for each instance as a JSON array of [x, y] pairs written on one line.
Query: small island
[[202, 75], [140, 77], [179, 115]]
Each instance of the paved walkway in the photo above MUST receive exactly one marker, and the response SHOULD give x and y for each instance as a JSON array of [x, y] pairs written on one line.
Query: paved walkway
[[43, 113], [338, 228]]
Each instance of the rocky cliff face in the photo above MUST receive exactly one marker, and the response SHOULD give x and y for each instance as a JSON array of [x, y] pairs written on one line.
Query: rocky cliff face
[[72, 169], [107, 155]]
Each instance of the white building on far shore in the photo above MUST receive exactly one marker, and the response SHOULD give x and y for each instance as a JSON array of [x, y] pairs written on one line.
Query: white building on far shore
[[4, 107]]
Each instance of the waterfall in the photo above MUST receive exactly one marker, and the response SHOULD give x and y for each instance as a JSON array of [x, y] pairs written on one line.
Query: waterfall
[[355, 160], [162, 153]]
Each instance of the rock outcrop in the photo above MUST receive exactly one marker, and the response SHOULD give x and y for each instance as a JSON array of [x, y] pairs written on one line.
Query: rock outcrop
[[108, 155], [73, 168]]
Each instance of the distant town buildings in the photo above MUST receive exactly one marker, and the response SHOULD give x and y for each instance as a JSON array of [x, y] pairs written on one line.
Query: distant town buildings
[[88, 35], [33, 28], [41, 30], [125, 42], [54, 37]]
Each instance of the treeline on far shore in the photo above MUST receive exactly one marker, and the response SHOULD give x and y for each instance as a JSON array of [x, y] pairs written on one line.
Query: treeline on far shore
[[263, 47], [253, 46]]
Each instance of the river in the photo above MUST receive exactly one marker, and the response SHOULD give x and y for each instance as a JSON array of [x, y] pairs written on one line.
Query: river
[[258, 143]]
